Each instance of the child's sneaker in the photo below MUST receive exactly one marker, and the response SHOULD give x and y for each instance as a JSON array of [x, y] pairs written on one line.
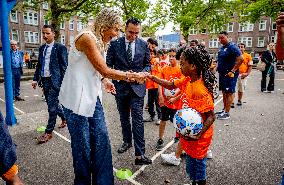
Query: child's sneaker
[[160, 145], [239, 103], [171, 159], [219, 112], [223, 116], [209, 154]]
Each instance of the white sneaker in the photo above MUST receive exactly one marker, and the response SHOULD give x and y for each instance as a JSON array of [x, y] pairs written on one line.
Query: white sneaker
[[171, 159], [209, 154]]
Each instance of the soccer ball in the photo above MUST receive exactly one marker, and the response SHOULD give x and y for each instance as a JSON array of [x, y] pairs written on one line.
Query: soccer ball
[[168, 92], [188, 122]]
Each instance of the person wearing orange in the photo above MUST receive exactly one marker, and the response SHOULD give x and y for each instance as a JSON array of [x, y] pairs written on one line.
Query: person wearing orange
[[163, 57], [27, 60], [168, 99], [197, 94], [152, 88], [8, 157], [244, 71]]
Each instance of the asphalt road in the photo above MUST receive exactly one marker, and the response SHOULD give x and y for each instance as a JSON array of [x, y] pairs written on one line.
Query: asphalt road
[[248, 149]]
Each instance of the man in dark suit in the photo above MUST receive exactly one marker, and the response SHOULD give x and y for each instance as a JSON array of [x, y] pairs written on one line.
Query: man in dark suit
[[130, 53], [52, 63]]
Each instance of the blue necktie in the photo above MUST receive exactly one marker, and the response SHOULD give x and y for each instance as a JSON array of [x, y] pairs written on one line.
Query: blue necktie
[[43, 61], [129, 52]]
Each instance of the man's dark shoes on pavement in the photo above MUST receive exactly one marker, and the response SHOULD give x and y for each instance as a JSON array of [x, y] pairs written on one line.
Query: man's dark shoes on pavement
[[150, 119], [63, 124], [18, 98], [239, 103], [44, 138], [124, 147], [143, 161]]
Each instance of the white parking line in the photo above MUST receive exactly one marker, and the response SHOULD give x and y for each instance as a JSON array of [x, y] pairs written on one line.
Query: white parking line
[[63, 137], [22, 112]]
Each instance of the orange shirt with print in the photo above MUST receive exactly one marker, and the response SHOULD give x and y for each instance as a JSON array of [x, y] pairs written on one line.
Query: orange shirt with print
[[170, 73], [155, 70], [196, 96], [246, 63]]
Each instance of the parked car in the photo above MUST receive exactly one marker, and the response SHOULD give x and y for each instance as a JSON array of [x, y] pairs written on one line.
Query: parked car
[[255, 60], [280, 65]]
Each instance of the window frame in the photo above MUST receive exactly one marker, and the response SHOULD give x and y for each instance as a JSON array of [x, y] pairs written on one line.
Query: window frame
[[18, 36], [259, 26], [16, 13], [258, 42]]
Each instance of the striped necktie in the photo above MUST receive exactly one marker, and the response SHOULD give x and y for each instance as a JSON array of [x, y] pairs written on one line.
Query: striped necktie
[[129, 52], [43, 61]]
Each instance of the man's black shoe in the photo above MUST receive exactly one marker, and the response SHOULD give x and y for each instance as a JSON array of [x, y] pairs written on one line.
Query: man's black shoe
[[143, 161], [150, 119], [124, 147]]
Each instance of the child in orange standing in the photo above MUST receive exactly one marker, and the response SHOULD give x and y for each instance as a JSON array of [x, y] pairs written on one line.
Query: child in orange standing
[[169, 103], [152, 88], [197, 94]]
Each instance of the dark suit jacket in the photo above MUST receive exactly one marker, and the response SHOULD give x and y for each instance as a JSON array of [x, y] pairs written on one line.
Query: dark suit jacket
[[57, 66], [117, 59]]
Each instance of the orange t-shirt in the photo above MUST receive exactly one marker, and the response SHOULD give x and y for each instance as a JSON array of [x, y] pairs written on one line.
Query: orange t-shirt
[[170, 73], [246, 63], [155, 70], [196, 96]]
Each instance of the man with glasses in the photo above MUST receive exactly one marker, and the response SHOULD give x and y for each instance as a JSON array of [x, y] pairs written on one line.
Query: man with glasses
[[17, 58], [130, 53]]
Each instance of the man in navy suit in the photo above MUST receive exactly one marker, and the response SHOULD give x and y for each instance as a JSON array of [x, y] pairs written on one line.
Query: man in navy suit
[[130, 53], [52, 63]]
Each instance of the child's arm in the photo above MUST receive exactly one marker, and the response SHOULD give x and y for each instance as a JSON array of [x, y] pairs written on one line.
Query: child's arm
[[160, 95], [209, 120], [162, 82]]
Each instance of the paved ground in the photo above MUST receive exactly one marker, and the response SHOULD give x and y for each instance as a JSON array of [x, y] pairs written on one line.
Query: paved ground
[[248, 149]]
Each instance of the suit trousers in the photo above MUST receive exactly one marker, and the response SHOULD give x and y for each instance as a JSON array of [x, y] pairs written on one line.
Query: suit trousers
[[54, 108], [132, 104], [17, 73], [153, 98]]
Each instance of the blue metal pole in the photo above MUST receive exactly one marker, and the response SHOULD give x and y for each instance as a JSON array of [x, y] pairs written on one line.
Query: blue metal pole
[[10, 116]]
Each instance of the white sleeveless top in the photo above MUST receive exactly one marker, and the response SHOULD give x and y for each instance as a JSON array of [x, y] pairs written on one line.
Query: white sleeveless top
[[81, 85]]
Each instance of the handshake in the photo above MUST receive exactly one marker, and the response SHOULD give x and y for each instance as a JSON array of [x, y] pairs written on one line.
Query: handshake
[[139, 77]]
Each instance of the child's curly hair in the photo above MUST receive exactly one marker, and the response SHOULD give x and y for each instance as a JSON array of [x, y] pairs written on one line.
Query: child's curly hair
[[199, 57]]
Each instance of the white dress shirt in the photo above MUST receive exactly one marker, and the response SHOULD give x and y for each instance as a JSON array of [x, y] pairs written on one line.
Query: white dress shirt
[[46, 70], [132, 46]]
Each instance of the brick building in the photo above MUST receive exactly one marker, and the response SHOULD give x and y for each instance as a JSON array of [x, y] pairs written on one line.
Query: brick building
[[25, 27], [256, 36]]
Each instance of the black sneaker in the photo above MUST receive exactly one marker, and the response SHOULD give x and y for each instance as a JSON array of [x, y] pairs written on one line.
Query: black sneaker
[[219, 112], [239, 103], [176, 139], [160, 145], [143, 161], [224, 116], [233, 105]]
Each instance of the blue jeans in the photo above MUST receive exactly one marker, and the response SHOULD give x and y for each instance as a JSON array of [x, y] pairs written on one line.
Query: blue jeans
[[91, 150], [54, 108], [16, 77], [196, 168]]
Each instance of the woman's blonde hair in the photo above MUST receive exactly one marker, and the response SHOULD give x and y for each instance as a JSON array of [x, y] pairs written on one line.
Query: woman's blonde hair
[[105, 19]]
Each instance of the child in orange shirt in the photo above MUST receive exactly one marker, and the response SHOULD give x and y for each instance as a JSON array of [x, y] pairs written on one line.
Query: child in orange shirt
[[169, 103], [197, 94], [152, 88]]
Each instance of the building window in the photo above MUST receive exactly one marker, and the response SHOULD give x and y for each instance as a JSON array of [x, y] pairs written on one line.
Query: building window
[[15, 35], [192, 31], [230, 27], [213, 43], [14, 16], [80, 26], [262, 25], [45, 5], [260, 41], [31, 37], [71, 24], [31, 18], [203, 31], [245, 27], [274, 26], [272, 39], [46, 22], [62, 25], [71, 39], [246, 40], [62, 39]]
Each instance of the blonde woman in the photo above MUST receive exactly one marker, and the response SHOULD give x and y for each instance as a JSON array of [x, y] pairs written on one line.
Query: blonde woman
[[81, 97]]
